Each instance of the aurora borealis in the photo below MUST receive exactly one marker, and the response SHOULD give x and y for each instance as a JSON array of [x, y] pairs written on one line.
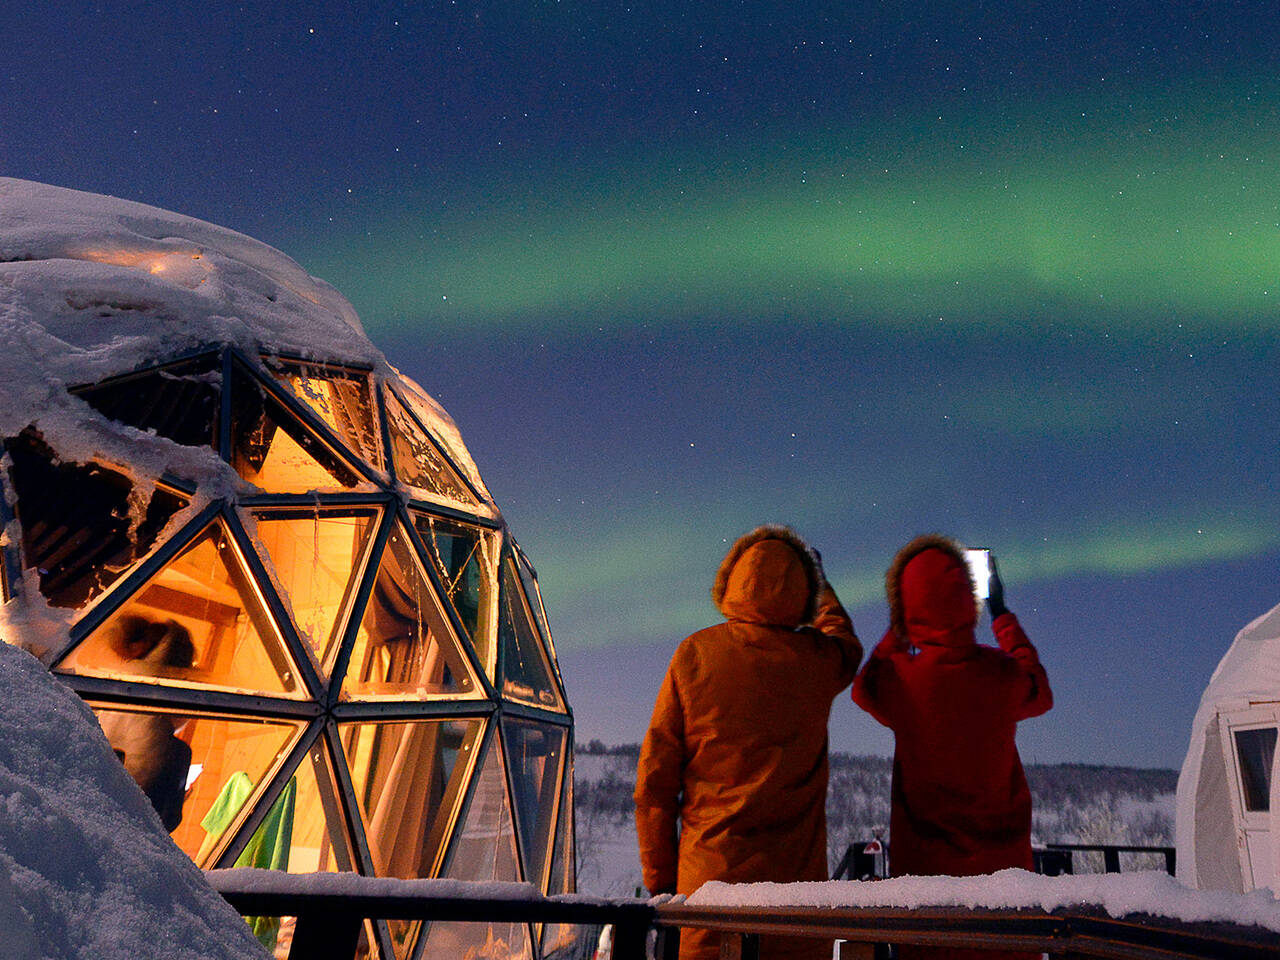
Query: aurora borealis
[[1144, 223], [1003, 270]]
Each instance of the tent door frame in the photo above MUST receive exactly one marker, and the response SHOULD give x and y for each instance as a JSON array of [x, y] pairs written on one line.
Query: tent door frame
[[1255, 843]]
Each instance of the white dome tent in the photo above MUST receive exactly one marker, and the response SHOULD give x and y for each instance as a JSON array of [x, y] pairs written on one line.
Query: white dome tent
[[268, 563], [1228, 800]]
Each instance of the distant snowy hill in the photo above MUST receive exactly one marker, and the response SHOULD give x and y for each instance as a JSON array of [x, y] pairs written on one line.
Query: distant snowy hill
[[1072, 803]]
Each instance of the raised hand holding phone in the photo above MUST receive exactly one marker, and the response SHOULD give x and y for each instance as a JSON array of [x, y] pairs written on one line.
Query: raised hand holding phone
[[995, 590]]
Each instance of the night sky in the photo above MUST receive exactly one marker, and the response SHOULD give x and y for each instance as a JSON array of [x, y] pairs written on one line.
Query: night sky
[[1006, 271]]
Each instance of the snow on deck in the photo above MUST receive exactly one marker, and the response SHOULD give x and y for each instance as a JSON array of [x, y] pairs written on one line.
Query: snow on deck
[[1117, 894]]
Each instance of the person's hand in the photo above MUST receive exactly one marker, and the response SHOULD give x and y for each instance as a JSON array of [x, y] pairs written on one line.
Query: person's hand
[[995, 592]]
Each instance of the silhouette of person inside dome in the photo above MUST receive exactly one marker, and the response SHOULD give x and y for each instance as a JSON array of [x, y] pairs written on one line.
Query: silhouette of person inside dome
[[146, 743]]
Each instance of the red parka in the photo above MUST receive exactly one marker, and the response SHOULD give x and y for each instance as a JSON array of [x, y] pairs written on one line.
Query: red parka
[[960, 806], [736, 752]]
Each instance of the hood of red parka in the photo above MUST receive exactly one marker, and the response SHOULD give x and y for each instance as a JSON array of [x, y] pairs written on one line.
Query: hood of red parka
[[938, 606]]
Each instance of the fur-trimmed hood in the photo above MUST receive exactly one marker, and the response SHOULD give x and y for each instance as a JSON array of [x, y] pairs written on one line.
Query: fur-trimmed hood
[[939, 605], [769, 576]]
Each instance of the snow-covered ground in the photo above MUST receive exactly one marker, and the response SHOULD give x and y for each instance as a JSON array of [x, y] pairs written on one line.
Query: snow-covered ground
[[87, 871], [1072, 804]]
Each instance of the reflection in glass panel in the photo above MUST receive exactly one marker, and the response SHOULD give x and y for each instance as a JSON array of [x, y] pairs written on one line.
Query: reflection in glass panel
[[407, 778], [526, 671], [484, 851], [534, 755], [1256, 750], [463, 557], [179, 401], [563, 939], [533, 594], [198, 621], [83, 525], [317, 557], [272, 449], [341, 398], [417, 459], [404, 646], [196, 770], [302, 833]]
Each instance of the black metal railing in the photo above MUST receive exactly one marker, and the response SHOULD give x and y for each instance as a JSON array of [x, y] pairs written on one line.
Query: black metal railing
[[328, 923], [1111, 854], [868, 861]]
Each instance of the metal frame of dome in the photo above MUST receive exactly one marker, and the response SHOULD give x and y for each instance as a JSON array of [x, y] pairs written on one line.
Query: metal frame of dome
[[506, 698]]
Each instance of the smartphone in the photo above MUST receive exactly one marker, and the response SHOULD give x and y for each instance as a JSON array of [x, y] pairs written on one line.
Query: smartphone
[[979, 561]]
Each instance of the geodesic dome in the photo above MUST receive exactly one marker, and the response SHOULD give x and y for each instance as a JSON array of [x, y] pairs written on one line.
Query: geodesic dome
[[267, 562]]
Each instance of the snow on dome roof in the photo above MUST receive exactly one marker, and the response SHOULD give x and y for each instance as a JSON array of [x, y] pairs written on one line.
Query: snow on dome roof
[[82, 255], [94, 286]]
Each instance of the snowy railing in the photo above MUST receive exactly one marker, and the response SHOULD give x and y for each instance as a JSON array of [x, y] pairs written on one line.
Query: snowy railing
[[1119, 917], [330, 909], [1059, 934]]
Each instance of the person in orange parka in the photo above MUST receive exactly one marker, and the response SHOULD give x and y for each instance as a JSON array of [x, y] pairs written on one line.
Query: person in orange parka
[[960, 802], [736, 752]]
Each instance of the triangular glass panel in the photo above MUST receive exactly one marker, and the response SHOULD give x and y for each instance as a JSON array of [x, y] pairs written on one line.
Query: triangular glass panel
[[408, 778], [418, 460], [83, 525], [274, 450], [563, 939], [199, 622], [535, 756], [533, 595], [526, 670], [179, 401], [484, 850], [198, 771], [317, 555], [404, 646], [304, 831], [463, 557], [342, 398]]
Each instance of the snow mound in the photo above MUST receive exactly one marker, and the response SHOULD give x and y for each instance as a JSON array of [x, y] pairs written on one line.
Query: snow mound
[[92, 874], [1118, 894]]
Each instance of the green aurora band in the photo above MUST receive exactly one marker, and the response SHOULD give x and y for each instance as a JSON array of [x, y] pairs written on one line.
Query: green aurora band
[[1125, 212]]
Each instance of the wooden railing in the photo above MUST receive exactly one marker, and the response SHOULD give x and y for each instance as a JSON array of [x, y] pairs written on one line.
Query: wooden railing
[[328, 924]]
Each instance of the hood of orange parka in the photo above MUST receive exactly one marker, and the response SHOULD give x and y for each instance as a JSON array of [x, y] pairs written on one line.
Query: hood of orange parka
[[930, 592], [770, 576]]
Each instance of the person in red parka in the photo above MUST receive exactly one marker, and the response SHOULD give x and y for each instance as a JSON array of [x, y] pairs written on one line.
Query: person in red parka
[[960, 802], [732, 779]]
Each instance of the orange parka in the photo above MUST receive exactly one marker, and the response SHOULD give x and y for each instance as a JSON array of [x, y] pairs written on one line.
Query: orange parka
[[736, 752]]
